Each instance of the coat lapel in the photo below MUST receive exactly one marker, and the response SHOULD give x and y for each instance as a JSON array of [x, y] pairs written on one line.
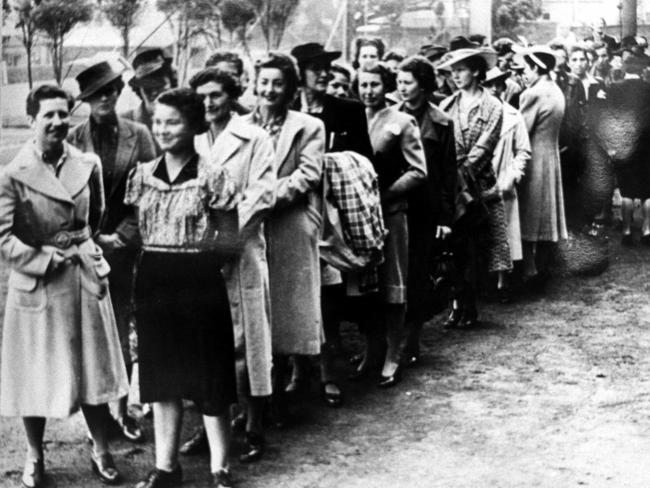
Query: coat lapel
[[288, 133], [31, 172], [126, 142], [228, 142]]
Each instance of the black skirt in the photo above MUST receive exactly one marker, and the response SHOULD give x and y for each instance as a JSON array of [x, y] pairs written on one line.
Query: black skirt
[[185, 334]]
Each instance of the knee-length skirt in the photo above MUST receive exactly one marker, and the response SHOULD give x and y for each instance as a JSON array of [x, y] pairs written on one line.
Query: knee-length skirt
[[185, 333]]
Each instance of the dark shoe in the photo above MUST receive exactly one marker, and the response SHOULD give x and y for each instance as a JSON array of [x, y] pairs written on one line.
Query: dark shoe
[[297, 386], [104, 467], [158, 478], [238, 424], [627, 240], [645, 239], [33, 474], [221, 479], [503, 295], [255, 448], [356, 359], [130, 429], [198, 444], [392, 380], [332, 400], [470, 319], [454, 318]]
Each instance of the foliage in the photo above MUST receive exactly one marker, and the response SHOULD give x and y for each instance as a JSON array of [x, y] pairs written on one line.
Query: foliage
[[24, 10], [192, 19], [123, 15], [236, 16], [507, 15], [274, 17], [56, 18]]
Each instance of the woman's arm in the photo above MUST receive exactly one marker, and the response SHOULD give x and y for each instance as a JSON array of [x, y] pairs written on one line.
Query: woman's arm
[[416, 169], [97, 204], [20, 256], [480, 155], [521, 149], [307, 176], [259, 197]]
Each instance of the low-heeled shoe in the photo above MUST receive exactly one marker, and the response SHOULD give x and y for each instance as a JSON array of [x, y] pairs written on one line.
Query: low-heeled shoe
[[104, 467], [157, 478]]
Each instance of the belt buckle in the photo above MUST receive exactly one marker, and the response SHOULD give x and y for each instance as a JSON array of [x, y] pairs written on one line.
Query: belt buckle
[[62, 239]]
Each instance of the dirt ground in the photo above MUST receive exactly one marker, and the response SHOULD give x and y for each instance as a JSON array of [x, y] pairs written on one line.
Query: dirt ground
[[550, 391]]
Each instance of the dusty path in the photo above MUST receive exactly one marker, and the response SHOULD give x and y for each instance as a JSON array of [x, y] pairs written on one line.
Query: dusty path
[[551, 392]]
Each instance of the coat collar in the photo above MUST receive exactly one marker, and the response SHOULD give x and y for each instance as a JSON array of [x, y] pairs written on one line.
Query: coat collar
[[290, 130], [234, 135], [28, 168], [436, 116]]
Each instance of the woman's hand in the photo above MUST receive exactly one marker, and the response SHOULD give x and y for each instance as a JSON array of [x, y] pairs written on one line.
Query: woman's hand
[[442, 232], [57, 260], [110, 242]]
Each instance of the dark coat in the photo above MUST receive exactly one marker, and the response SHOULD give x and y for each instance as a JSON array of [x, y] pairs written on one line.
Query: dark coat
[[135, 145], [346, 127]]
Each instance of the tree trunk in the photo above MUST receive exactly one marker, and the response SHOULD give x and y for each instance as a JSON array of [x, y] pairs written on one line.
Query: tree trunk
[[125, 42], [628, 17], [30, 80]]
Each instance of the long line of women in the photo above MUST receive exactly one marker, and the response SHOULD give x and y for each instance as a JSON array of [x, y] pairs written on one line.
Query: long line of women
[[193, 225]]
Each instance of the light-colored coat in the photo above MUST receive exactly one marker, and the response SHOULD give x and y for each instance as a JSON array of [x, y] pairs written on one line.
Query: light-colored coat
[[246, 152], [292, 234], [509, 161], [541, 200], [60, 346]]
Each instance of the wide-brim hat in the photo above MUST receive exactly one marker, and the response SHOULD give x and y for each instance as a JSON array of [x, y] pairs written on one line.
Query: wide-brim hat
[[495, 75], [462, 42], [97, 76], [149, 61], [433, 52], [313, 51], [542, 56], [453, 57]]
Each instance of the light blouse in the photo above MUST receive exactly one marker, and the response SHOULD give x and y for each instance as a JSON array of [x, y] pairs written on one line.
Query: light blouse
[[176, 216]]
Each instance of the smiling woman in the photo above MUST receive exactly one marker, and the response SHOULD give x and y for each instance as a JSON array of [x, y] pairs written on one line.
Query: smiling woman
[[59, 333]]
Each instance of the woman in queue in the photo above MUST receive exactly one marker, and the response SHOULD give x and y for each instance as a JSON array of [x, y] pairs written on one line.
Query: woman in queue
[[431, 206], [400, 164], [60, 349], [185, 335], [293, 226], [246, 152], [477, 118]]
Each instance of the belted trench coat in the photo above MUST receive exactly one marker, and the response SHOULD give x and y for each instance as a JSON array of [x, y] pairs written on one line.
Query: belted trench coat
[[60, 346], [246, 151]]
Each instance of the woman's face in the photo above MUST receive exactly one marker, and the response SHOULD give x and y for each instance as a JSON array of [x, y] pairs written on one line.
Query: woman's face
[[102, 102], [339, 85], [271, 88], [170, 128], [409, 88], [368, 57], [462, 76], [371, 89], [530, 74], [52, 122], [216, 101]]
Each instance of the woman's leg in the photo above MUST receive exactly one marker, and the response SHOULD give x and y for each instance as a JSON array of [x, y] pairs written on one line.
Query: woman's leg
[[167, 420], [395, 317], [96, 418], [34, 430], [627, 211], [645, 209], [218, 431], [529, 250]]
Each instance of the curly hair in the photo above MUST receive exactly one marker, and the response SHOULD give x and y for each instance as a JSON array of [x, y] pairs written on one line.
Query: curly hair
[[368, 41], [189, 104], [386, 75], [226, 57], [46, 92], [228, 84], [422, 70], [287, 66]]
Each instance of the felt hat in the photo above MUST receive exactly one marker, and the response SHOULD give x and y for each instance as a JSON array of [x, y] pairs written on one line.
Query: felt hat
[[149, 61], [461, 42], [97, 76], [542, 56], [313, 51], [495, 75], [433, 52], [453, 57]]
